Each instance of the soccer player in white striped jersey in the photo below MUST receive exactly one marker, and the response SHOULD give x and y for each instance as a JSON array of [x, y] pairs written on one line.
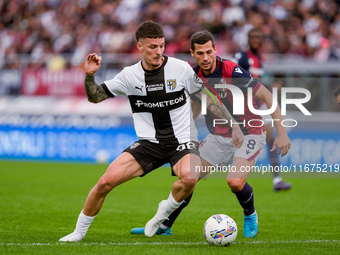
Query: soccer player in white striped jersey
[[158, 88]]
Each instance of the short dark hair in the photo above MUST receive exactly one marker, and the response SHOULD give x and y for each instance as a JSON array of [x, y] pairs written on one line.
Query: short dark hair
[[149, 29], [201, 37], [255, 30]]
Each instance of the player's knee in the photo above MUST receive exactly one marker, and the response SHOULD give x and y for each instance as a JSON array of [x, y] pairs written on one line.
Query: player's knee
[[188, 182], [235, 184], [104, 186]]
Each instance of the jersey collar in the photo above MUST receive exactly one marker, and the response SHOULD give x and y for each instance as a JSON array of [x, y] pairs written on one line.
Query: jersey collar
[[215, 72]]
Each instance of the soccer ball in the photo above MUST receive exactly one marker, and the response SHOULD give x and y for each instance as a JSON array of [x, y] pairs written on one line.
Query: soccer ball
[[220, 230]]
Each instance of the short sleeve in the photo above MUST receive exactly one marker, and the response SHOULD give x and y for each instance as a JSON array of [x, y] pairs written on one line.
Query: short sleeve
[[117, 85], [242, 79], [195, 83]]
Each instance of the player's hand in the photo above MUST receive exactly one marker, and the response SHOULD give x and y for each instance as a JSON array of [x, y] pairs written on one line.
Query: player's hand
[[92, 64], [283, 143], [237, 137]]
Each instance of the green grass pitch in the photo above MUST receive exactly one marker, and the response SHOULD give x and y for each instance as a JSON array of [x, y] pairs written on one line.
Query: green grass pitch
[[40, 203]]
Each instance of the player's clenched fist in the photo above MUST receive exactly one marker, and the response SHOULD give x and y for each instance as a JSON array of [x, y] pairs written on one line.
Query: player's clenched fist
[[92, 64]]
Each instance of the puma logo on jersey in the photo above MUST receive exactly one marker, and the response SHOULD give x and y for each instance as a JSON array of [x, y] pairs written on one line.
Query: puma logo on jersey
[[238, 70], [141, 88]]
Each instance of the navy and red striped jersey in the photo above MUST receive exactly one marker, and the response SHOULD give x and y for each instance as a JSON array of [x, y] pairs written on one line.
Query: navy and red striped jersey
[[227, 72], [251, 62]]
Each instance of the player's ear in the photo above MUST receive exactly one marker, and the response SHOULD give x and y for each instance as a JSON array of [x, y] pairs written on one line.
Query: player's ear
[[215, 49], [140, 46], [192, 53]]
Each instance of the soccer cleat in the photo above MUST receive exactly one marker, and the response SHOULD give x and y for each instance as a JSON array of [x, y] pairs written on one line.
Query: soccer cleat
[[138, 231], [152, 226], [251, 225], [73, 237], [281, 185], [160, 231]]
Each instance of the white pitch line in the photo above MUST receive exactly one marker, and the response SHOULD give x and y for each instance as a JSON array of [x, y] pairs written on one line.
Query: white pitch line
[[290, 241], [103, 244], [166, 243]]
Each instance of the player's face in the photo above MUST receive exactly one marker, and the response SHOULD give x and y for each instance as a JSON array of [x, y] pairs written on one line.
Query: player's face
[[255, 40], [205, 56], [152, 52]]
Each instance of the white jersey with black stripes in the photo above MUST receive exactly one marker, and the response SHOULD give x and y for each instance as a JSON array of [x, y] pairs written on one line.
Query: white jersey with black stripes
[[159, 100]]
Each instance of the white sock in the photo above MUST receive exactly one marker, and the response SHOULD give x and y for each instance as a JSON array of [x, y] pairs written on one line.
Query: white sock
[[172, 204], [83, 223], [276, 180]]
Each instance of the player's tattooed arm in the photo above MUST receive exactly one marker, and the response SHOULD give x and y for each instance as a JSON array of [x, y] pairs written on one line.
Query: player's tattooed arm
[[217, 109], [94, 92], [196, 108], [222, 112]]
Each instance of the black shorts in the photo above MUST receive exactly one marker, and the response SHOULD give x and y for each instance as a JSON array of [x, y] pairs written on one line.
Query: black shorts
[[153, 155]]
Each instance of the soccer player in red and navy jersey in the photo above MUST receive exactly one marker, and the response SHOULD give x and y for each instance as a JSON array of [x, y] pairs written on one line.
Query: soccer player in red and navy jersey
[[251, 60], [217, 148], [227, 72]]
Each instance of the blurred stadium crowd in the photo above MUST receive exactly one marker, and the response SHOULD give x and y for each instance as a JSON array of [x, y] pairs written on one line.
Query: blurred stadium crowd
[[37, 28]]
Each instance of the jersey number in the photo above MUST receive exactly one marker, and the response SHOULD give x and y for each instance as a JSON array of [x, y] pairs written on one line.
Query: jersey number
[[189, 146], [251, 144]]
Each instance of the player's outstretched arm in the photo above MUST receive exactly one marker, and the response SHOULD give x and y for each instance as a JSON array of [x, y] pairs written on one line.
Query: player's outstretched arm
[[222, 112], [282, 140], [94, 92], [196, 108]]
